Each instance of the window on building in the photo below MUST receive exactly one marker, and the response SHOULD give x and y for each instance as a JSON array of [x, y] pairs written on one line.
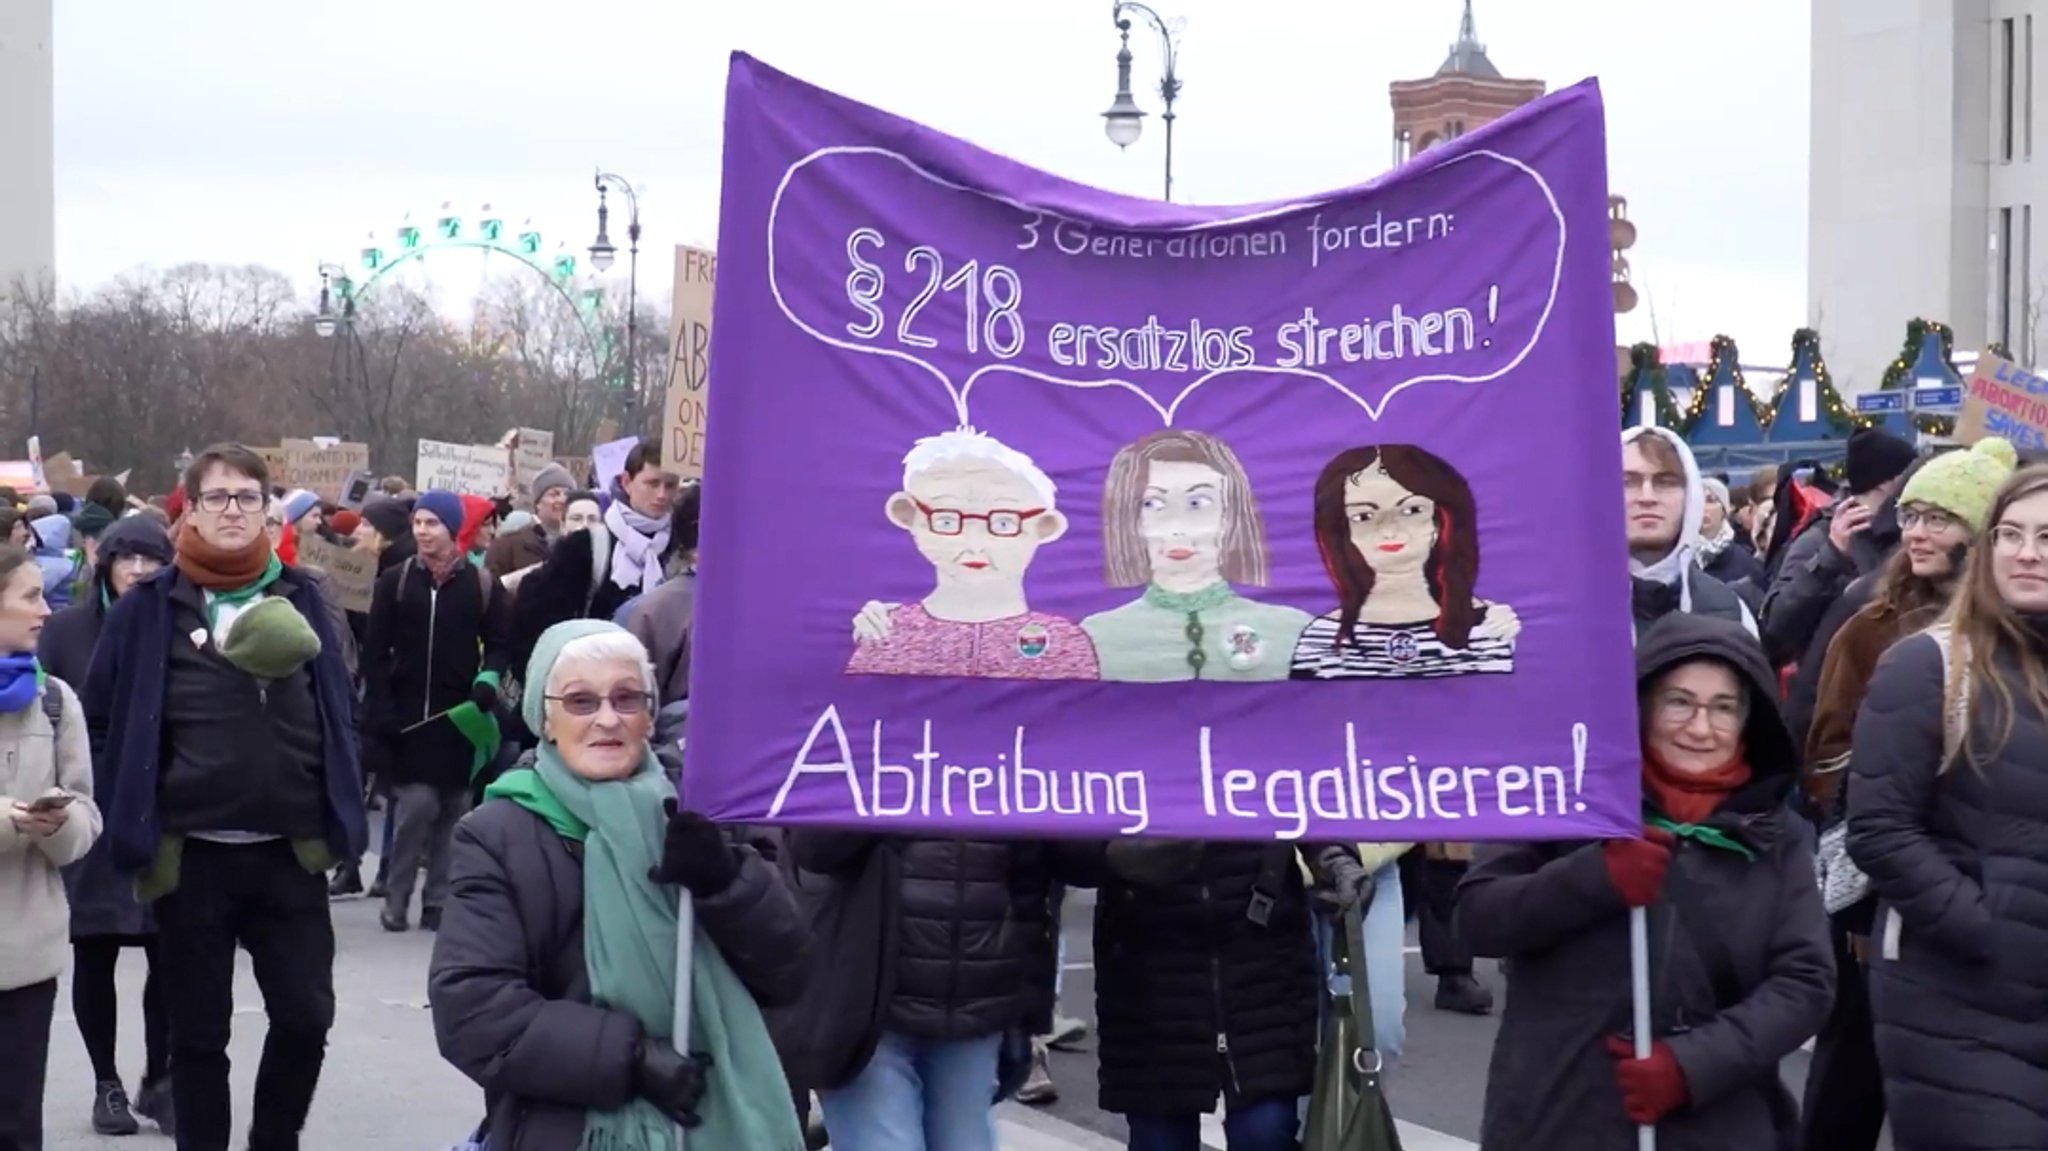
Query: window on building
[[2028, 320], [2027, 91], [2001, 294], [2008, 103]]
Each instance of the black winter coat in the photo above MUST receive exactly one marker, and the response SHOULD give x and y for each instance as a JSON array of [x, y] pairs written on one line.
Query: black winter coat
[[1959, 862], [511, 993], [1812, 574], [103, 902], [563, 588], [971, 928], [1742, 970], [424, 650], [1194, 999]]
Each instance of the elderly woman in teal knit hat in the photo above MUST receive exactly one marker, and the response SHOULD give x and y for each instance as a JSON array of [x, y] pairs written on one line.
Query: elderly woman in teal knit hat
[[580, 860]]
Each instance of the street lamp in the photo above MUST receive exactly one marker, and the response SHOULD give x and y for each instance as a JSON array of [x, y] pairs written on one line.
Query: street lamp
[[1125, 121], [332, 277], [603, 252]]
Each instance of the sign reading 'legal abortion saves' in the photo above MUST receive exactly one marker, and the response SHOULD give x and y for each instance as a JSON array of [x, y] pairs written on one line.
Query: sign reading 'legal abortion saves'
[[1036, 510]]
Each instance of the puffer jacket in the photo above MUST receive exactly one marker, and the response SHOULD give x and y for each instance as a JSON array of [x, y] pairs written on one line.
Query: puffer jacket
[[1196, 999], [971, 931], [1958, 859], [510, 990], [1742, 970]]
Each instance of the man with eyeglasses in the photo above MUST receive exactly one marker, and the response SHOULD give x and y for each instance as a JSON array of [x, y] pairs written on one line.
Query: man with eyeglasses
[[221, 718], [1664, 503], [978, 511]]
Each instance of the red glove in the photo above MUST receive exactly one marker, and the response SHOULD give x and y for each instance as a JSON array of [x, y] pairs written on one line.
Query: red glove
[[1650, 1088], [1636, 866]]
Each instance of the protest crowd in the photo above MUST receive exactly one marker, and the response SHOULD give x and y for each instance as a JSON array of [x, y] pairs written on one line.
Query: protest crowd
[[1844, 668]]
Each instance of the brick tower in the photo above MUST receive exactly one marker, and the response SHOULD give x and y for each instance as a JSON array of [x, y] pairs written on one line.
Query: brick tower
[[1466, 92]]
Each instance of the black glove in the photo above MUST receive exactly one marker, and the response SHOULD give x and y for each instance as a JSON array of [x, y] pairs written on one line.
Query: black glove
[[1350, 884], [672, 1082], [484, 694], [694, 854]]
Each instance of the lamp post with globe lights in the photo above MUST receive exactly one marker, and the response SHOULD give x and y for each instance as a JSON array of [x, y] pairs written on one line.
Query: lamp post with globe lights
[[336, 316], [603, 252], [1125, 121], [1621, 236]]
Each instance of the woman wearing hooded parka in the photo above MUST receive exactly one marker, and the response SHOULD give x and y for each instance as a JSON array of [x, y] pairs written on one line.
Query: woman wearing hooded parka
[[1948, 816], [1741, 968], [554, 974]]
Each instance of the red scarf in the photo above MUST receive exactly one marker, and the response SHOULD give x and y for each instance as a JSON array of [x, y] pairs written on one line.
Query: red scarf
[[441, 564], [1690, 797]]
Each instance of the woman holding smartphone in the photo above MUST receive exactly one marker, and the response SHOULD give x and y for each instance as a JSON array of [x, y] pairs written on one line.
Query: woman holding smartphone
[[47, 819]]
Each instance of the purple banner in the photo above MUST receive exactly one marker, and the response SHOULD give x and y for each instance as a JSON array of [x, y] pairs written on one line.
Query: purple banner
[[1035, 510]]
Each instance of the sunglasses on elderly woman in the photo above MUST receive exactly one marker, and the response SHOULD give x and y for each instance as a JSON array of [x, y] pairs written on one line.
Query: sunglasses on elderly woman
[[586, 703]]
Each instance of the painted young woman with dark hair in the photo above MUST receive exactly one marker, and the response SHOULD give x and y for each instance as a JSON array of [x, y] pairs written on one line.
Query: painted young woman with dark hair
[[1397, 532]]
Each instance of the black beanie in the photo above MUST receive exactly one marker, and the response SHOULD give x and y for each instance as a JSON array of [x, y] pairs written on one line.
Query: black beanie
[[391, 518], [1876, 457]]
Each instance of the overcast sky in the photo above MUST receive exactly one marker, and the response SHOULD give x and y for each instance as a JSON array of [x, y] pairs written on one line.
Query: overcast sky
[[255, 131]]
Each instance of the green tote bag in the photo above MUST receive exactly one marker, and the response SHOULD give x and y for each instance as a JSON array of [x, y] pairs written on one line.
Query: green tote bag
[[1348, 1111]]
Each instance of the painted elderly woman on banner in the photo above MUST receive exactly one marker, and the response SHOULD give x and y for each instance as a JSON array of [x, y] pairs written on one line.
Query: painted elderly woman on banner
[[977, 510], [1180, 521], [1398, 534]]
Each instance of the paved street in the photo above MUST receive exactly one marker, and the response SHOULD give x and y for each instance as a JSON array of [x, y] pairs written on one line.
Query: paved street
[[387, 1089]]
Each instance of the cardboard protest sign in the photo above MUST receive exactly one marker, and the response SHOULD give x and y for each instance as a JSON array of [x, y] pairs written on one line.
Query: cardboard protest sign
[[2004, 399], [534, 449], [278, 461], [1047, 512], [465, 469], [351, 572], [61, 473], [689, 370], [324, 469], [609, 460]]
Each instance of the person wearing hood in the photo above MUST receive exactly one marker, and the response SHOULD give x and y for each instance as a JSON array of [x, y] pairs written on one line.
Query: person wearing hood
[[1665, 503], [432, 661], [1948, 818], [1941, 509], [553, 980], [480, 517], [591, 574], [1723, 553], [1741, 969], [56, 559], [1843, 541], [515, 550], [106, 918]]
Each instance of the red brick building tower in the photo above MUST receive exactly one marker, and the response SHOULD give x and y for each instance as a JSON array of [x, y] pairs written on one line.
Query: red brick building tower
[[1466, 92]]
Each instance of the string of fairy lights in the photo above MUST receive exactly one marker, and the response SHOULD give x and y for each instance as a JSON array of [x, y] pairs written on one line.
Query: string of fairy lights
[[1648, 372]]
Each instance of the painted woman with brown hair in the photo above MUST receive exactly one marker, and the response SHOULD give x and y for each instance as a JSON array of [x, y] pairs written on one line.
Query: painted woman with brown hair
[[1179, 520], [1398, 535]]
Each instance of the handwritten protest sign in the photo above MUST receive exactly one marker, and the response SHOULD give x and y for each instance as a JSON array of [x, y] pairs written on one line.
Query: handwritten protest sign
[[609, 459], [533, 450], [351, 572], [278, 461], [35, 462], [1042, 511], [465, 469], [689, 372], [323, 469], [2004, 399]]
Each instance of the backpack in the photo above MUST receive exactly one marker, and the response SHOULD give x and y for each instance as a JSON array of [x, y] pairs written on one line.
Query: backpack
[[484, 581], [53, 707], [1955, 689]]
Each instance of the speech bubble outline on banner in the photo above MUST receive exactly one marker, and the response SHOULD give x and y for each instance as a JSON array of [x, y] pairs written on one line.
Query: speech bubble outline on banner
[[1166, 412]]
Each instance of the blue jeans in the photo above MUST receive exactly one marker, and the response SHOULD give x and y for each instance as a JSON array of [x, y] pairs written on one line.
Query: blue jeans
[[1267, 1125], [918, 1095], [1386, 966]]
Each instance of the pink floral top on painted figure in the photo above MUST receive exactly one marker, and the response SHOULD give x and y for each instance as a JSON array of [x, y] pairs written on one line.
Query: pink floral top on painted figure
[[1029, 646]]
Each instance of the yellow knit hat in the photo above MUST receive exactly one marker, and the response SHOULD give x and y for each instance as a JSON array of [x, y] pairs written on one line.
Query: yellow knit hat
[[1963, 483]]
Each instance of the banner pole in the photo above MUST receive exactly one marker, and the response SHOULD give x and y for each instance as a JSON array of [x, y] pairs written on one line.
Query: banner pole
[[686, 934], [1639, 991]]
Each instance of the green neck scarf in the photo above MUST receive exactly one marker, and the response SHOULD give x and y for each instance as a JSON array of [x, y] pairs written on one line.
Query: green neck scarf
[[629, 946], [239, 597], [1188, 603], [1700, 833]]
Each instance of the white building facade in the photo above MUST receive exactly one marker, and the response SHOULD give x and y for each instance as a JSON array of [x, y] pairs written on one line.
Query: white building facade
[[28, 184], [1929, 160]]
